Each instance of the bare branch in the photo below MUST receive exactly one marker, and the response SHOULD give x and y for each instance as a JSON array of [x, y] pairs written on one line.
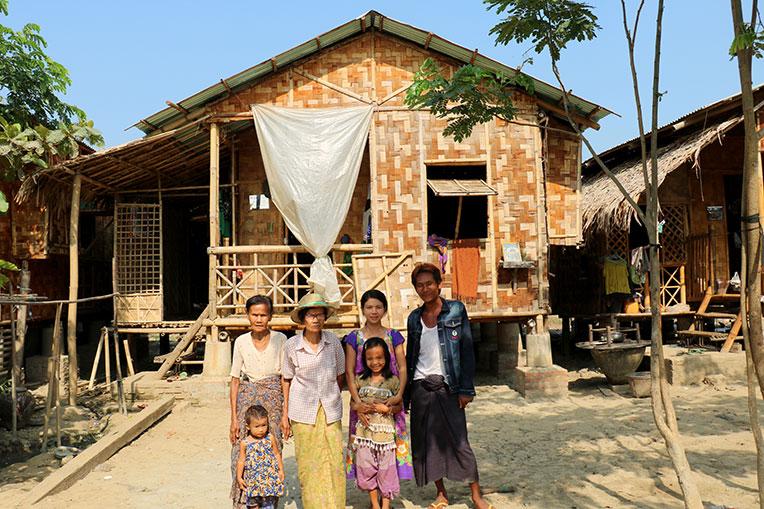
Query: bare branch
[[600, 163]]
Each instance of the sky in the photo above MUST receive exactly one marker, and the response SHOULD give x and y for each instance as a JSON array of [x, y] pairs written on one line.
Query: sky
[[127, 58]]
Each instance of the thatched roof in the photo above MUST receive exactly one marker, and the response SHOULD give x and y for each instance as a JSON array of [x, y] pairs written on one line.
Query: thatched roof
[[605, 207]]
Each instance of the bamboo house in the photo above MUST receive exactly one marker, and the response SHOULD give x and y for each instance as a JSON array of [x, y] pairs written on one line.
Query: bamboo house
[[700, 165], [196, 230]]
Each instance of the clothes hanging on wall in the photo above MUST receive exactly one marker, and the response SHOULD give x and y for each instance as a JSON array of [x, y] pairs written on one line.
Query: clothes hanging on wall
[[616, 275], [465, 269], [640, 266]]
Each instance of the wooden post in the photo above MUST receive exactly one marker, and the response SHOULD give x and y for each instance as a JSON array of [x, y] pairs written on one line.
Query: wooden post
[[458, 217], [21, 327], [214, 215], [71, 320], [120, 387], [52, 376], [96, 359]]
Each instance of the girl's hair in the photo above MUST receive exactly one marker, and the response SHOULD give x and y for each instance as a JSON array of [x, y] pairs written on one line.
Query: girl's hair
[[255, 412], [372, 343], [374, 294], [260, 299]]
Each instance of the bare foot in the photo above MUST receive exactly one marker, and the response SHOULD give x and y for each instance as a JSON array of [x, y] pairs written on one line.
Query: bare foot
[[440, 502], [480, 503]]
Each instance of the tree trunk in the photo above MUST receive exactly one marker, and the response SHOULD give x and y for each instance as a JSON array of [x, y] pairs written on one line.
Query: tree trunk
[[750, 230], [750, 270]]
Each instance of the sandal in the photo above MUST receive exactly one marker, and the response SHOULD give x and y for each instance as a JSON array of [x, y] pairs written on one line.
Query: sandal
[[437, 505]]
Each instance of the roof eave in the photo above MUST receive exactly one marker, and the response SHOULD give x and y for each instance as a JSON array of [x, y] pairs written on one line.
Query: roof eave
[[189, 105]]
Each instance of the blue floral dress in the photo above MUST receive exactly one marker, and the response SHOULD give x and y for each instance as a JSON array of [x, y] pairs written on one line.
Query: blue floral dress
[[261, 469]]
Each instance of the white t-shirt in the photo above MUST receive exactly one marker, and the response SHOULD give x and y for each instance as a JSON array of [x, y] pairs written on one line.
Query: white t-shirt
[[429, 362], [256, 364]]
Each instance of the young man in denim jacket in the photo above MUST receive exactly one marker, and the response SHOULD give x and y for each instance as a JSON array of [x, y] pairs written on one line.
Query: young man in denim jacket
[[441, 366]]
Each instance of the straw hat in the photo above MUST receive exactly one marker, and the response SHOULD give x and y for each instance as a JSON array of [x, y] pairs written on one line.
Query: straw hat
[[311, 300]]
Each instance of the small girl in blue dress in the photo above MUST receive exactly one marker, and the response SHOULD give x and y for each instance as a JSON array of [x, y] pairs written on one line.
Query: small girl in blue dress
[[260, 470]]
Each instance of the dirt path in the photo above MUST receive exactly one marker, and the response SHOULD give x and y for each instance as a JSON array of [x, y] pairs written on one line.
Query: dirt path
[[594, 449]]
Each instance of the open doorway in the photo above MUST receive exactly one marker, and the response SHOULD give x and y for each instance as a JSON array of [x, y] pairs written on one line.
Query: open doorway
[[733, 185], [185, 262]]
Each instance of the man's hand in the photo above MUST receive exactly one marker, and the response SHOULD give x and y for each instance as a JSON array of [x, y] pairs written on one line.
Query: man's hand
[[465, 400]]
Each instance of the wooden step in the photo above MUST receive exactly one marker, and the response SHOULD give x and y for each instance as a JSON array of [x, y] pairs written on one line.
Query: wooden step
[[713, 314], [725, 297]]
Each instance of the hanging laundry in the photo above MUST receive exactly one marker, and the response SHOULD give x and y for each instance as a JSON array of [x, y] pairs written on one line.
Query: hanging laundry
[[639, 265], [616, 275]]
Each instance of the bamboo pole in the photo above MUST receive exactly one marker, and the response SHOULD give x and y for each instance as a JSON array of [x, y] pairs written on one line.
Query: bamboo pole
[[99, 348], [458, 217], [14, 365], [71, 321], [120, 386], [214, 215], [52, 376]]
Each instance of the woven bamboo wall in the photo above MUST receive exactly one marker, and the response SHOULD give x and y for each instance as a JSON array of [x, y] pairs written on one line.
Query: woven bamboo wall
[[401, 144], [562, 188]]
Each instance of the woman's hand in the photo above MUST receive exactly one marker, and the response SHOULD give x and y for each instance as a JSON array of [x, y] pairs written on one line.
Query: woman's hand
[[381, 408], [394, 401], [233, 432], [281, 474], [241, 483], [363, 410], [286, 428]]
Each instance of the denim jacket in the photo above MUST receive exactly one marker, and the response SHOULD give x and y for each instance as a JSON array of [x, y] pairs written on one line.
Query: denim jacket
[[455, 338]]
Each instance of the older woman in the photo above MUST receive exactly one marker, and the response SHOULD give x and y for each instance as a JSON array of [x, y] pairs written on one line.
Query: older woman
[[255, 380], [314, 365]]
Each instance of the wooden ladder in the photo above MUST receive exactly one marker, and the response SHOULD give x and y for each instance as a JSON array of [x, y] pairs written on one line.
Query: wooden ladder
[[702, 313], [183, 344]]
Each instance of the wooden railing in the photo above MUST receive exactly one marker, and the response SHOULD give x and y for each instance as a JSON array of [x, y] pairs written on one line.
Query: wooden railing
[[280, 272]]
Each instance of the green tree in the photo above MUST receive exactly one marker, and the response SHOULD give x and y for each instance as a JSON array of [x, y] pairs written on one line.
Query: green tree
[[36, 126], [551, 25]]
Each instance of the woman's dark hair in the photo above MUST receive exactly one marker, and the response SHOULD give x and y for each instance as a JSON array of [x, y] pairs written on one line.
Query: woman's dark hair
[[372, 343], [260, 299], [373, 294], [426, 268], [255, 412]]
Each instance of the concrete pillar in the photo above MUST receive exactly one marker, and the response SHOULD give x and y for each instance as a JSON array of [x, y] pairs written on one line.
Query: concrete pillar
[[217, 356], [539, 350]]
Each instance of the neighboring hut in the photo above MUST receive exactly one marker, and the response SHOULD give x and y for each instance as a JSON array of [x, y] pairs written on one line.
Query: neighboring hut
[[195, 229], [700, 165]]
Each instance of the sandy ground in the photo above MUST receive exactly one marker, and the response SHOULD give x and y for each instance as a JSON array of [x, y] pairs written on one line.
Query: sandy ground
[[594, 449]]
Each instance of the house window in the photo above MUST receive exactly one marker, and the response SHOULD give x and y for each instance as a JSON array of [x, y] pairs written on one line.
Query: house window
[[447, 187]]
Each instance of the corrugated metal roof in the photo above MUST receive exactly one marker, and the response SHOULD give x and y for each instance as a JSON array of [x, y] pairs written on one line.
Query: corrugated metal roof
[[387, 25]]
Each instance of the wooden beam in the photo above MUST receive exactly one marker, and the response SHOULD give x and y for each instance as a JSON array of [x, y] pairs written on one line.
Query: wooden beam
[[474, 56], [71, 314], [188, 337], [177, 107], [318, 43], [561, 111], [332, 86], [82, 464], [427, 41]]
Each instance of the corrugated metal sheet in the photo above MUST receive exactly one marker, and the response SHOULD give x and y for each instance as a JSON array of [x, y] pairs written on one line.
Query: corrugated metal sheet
[[349, 29]]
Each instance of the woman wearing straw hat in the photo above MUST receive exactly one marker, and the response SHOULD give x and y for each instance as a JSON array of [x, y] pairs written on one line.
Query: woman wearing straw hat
[[314, 365]]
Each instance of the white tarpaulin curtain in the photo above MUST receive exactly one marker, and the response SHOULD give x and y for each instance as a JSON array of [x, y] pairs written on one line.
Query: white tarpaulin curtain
[[312, 158]]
